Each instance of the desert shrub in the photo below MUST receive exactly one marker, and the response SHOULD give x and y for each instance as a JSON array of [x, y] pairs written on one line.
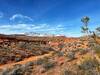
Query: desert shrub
[[40, 61], [6, 49], [41, 50], [66, 72], [17, 71], [83, 51], [82, 39], [20, 44], [45, 62], [69, 44], [17, 59], [97, 49], [61, 46], [59, 53], [3, 60], [71, 55], [37, 52], [12, 56], [48, 65], [91, 44], [89, 63], [22, 69], [91, 72], [6, 71], [52, 54], [30, 63], [88, 72], [24, 45], [47, 49], [17, 65]]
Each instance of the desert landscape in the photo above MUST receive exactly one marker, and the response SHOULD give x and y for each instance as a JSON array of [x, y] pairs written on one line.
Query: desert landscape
[[57, 55], [49, 37]]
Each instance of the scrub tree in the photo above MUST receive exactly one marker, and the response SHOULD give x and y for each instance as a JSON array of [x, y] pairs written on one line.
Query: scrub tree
[[85, 28]]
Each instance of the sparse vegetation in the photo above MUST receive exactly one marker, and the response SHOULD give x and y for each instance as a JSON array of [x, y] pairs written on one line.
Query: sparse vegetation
[[82, 51], [61, 56], [59, 53], [48, 65], [97, 49], [88, 63], [66, 72], [71, 55]]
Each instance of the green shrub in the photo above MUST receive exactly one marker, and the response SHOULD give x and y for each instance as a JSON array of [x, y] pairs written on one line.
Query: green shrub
[[40, 61], [89, 63], [45, 62], [30, 63], [61, 46], [17, 59], [48, 65], [66, 72], [82, 51], [59, 53], [24, 45], [71, 55], [97, 50], [17, 71], [91, 72]]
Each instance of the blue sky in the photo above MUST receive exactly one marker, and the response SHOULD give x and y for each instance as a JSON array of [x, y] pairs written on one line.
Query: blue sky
[[47, 16]]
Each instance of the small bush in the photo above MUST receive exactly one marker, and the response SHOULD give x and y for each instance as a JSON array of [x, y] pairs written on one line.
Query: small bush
[[17, 59], [59, 53], [91, 72], [48, 65], [30, 63], [88, 63], [61, 46], [66, 72], [5, 71], [82, 51], [24, 45], [17, 71], [97, 50], [71, 55], [40, 61], [3, 60]]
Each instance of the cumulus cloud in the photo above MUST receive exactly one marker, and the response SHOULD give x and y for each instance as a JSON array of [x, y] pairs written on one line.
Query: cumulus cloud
[[19, 18]]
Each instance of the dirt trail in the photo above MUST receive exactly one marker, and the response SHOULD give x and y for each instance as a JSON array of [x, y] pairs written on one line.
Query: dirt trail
[[33, 58]]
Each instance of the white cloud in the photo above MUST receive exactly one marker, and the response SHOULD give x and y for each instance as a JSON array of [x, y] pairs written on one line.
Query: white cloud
[[20, 18], [1, 14], [23, 28], [40, 28]]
